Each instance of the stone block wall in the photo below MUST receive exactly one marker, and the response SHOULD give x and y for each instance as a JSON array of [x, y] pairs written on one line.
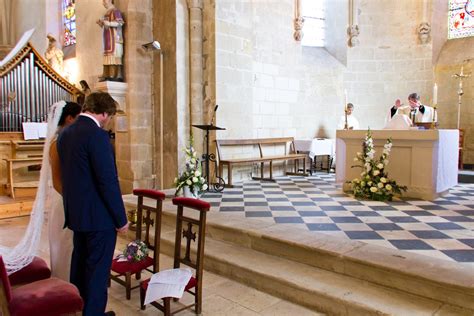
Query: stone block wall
[[133, 141], [182, 60], [270, 86]]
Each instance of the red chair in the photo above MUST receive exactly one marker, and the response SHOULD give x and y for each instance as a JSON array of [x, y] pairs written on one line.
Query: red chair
[[49, 297], [127, 269], [194, 286], [37, 270]]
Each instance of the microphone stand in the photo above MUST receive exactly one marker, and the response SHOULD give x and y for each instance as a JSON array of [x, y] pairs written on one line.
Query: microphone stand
[[214, 114]]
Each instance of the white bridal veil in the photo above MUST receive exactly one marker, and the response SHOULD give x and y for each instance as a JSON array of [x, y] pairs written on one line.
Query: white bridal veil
[[22, 254]]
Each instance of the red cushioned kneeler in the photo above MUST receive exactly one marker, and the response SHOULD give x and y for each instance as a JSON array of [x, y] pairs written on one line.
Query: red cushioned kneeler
[[132, 267], [48, 297], [37, 270]]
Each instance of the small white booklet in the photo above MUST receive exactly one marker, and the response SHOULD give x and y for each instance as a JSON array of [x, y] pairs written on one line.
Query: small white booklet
[[167, 283]]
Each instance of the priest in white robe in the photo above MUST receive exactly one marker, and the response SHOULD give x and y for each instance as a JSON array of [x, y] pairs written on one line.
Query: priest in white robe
[[417, 112], [352, 122]]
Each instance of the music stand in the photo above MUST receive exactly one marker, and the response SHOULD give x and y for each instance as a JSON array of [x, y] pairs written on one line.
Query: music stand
[[218, 186]]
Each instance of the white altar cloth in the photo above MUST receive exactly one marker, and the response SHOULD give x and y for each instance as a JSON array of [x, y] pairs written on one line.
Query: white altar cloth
[[316, 146], [423, 160]]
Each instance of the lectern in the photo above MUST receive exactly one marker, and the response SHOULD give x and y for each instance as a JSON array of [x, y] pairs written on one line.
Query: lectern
[[219, 185]]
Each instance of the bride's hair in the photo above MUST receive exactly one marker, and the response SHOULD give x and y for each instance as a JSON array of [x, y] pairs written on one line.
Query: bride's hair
[[70, 109]]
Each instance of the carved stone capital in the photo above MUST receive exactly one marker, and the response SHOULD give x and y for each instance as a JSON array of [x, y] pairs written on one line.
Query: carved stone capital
[[424, 32], [298, 25], [194, 4], [353, 33]]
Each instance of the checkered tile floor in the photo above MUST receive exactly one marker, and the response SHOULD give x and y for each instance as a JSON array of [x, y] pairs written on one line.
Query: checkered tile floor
[[443, 228]]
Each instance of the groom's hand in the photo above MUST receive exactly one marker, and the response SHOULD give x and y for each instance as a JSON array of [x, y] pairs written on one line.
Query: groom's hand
[[123, 229]]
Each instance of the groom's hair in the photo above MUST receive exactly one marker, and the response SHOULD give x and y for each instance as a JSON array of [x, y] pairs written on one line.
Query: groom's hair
[[100, 102], [71, 108]]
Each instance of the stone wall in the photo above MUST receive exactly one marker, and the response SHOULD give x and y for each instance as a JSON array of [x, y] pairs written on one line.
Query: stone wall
[[270, 86], [133, 142], [182, 59], [455, 54], [390, 62], [136, 160]]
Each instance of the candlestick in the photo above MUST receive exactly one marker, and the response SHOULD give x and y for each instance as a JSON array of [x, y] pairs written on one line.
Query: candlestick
[[346, 126], [435, 94]]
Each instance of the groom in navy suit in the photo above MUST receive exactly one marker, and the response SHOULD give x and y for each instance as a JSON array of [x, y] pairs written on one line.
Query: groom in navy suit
[[93, 203]]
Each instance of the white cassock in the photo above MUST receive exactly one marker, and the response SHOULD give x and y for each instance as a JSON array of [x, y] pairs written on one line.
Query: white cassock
[[427, 116], [399, 121], [419, 117], [351, 122]]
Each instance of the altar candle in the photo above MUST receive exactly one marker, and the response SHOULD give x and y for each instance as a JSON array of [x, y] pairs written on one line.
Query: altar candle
[[435, 94], [345, 100], [462, 69]]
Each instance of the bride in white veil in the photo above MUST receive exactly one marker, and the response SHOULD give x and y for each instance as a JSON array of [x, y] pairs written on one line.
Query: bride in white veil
[[47, 199]]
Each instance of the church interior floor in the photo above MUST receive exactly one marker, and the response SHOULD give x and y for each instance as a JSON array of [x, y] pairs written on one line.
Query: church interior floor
[[221, 296], [443, 228]]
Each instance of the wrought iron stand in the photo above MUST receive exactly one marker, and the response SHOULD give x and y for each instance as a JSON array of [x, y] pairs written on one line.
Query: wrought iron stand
[[211, 157]]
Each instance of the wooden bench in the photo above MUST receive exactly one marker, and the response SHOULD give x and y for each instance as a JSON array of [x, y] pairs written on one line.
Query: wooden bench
[[26, 148], [16, 163], [24, 153], [262, 158]]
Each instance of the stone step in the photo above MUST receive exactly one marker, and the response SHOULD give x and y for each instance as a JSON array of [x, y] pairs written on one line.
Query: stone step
[[315, 288], [404, 277]]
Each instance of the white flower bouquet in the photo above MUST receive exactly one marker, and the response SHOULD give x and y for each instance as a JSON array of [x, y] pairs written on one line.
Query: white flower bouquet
[[374, 183], [191, 177]]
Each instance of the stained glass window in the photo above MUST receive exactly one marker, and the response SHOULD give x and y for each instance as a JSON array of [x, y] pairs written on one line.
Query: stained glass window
[[460, 18], [314, 23], [69, 20]]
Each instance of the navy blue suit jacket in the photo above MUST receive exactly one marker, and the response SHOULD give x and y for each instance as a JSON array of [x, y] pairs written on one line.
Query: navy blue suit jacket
[[91, 192]]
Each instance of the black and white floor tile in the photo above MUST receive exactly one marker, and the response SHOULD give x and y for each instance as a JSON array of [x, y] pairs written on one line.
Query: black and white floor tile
[[443, 228]]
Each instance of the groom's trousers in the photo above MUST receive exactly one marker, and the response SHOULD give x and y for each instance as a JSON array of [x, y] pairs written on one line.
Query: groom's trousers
[[90, 268]]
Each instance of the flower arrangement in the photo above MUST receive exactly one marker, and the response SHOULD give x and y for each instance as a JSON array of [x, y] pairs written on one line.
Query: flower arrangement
[[135, 251], [191, 177], [374, 183]]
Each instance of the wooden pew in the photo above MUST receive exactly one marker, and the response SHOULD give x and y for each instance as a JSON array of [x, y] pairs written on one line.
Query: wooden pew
[[23, 154], [262, 158], [16, 163]]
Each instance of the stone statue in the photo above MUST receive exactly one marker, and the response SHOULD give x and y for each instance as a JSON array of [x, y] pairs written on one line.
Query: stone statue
[[54, 56], [111, 24]]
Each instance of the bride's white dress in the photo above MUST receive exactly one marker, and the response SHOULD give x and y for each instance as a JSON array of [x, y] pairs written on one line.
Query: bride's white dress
[[47, 201], [60, 240]]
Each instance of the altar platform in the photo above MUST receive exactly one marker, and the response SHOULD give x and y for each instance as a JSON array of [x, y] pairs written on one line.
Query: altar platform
[[426, 161], [304, 239]]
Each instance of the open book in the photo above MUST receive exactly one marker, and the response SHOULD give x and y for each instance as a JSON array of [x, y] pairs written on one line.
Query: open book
[[34, 130], [167, 283]]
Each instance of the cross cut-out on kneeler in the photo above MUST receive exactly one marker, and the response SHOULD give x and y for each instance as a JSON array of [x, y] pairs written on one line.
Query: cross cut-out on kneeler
[[189, 235], [148, 221]]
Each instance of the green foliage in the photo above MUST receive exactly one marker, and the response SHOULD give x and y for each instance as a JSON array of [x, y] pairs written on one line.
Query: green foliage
[[374, 183], [192, 175]]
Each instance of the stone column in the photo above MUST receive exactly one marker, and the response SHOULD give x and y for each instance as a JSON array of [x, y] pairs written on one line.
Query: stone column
[[120, 128], [196, 70]]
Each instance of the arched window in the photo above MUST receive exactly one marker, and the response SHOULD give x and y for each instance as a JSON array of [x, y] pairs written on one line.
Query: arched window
[[314, 23], [69, 22], [460, 18]]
